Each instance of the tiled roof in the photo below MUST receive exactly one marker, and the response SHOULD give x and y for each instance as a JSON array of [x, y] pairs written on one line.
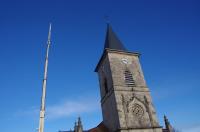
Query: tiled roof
[[100, 128]]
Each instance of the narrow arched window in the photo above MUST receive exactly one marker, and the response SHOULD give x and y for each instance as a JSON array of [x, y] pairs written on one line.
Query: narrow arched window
[[129, 78], [105, 85]]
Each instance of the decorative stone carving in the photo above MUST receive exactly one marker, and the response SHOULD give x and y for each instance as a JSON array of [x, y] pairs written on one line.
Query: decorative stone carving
[[137, 110]]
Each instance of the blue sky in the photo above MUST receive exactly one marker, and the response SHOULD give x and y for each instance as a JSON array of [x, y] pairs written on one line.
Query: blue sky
[[166, 33]]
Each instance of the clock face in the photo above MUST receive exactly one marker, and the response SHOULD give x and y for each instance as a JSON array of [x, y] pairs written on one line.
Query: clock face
[[125, 61]]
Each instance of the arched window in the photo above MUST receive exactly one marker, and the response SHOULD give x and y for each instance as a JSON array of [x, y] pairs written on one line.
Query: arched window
[[105, 85], [129, 78]]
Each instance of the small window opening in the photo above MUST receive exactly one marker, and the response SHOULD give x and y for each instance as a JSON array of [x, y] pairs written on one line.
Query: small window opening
[[105, 86]]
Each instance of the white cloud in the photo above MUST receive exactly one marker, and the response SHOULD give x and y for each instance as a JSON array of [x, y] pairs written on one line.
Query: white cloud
[[29, 112], [195, 128], [68, 108], [64, 109]]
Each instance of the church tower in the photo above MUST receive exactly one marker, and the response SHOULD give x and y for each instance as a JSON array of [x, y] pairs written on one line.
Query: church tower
[[125, 98]]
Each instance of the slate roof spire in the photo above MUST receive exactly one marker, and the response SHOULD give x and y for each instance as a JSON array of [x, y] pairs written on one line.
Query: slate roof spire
[[112, 41]]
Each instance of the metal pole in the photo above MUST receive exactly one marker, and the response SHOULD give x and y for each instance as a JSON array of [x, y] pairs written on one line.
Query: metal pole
[[42, 109]]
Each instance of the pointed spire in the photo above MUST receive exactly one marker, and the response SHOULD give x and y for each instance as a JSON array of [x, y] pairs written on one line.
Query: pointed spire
[[166, 122], [112, 41], [168, 125], [75, 127], [79, 126], [79, 121]]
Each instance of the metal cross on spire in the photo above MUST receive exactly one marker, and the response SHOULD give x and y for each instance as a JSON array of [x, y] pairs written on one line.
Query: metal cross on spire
[[42, 109]]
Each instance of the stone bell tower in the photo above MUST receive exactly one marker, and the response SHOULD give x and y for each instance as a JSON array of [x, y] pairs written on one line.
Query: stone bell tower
[[125, 98]]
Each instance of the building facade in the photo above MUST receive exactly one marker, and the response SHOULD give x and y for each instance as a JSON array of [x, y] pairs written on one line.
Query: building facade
[[126, 101]]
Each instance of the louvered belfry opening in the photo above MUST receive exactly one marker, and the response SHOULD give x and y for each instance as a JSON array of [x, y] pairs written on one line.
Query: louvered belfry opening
[[129, 78]]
